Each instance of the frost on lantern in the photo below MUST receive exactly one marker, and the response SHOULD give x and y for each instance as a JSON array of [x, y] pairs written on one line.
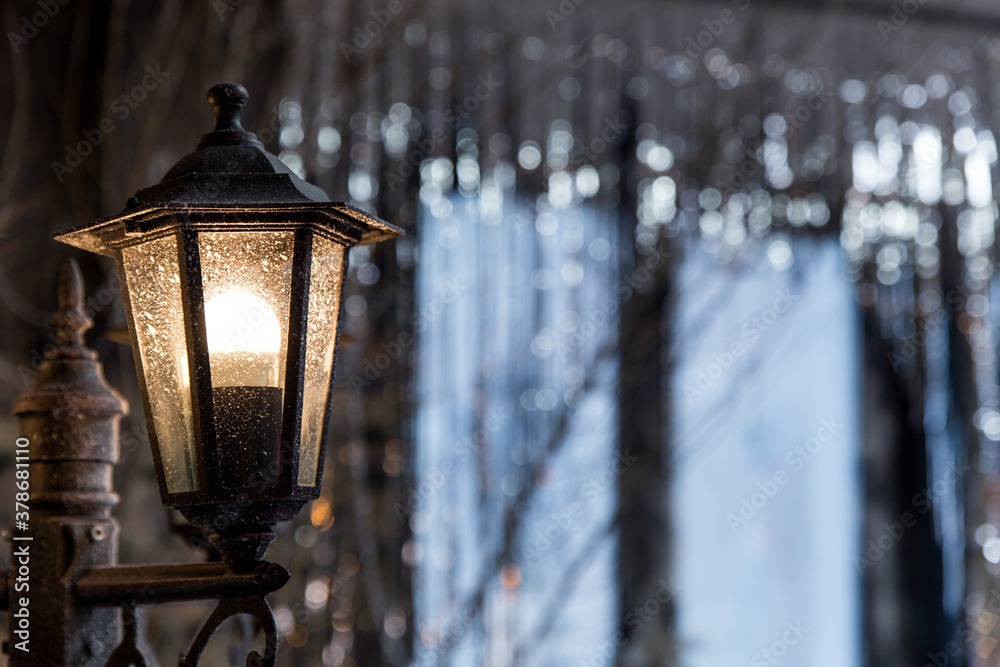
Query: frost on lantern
[[321, 338], [246, 278], [154, 290], [244, 341], [233, 300]]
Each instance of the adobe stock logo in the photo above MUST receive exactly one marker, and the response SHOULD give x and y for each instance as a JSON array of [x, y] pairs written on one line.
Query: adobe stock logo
[[431, 481], [772, 655], [796, 459], [566, 9], [362, 38], [459, 112], [976, 635], [713, 30], [37, 21], [560, 523], [750, 333], [122, 107], [923, 502], [453, 289], [612, 130], [794, 119], [900, 16]]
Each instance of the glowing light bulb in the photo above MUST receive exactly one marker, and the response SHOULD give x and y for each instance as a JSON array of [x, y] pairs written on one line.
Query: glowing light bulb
[[244, 341], [244, 351]]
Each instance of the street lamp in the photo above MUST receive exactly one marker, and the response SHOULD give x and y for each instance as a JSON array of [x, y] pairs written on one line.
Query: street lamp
[[232, 270]]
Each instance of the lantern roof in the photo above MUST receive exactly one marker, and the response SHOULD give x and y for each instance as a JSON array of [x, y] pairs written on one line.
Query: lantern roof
[[229, 172]]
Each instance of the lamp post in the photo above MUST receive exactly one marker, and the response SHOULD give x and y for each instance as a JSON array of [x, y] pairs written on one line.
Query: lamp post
[[232, 269]]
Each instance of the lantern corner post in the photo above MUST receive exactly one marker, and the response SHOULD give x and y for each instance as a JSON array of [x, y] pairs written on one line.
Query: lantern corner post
[[69, 423]]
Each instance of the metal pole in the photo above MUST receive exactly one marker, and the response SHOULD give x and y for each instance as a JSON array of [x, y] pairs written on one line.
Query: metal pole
[[70, 420]]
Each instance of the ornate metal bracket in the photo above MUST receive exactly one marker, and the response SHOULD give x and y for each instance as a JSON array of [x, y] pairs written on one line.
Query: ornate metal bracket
[[255, 606], [132, 652], [238, 592]]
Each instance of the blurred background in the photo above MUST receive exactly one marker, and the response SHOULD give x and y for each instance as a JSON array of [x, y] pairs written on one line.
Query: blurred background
[[688, 356]]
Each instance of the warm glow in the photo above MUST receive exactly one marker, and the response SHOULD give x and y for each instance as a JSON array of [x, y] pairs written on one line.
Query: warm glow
[[244, 339], [240, 321]]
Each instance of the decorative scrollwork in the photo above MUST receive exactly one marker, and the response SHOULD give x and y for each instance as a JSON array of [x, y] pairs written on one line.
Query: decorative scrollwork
[[254, 605], [131, 652]]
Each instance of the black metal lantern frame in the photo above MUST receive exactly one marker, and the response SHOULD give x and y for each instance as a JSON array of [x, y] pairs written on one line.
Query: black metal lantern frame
[[238, 420], [274, 493], [237, 450]]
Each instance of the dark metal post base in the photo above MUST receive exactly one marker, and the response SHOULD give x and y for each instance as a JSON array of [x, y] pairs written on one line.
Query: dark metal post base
[[80, 605]]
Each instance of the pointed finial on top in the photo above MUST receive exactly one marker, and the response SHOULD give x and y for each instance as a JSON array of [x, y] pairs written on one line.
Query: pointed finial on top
[[227, 100], [70, 320]]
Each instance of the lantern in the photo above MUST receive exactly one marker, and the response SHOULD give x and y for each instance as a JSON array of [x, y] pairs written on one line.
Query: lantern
[[232, 269]]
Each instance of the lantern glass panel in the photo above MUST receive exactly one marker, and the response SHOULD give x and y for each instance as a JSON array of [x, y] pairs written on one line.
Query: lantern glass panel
[[246, 286], [326, 274], [153, 278]]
